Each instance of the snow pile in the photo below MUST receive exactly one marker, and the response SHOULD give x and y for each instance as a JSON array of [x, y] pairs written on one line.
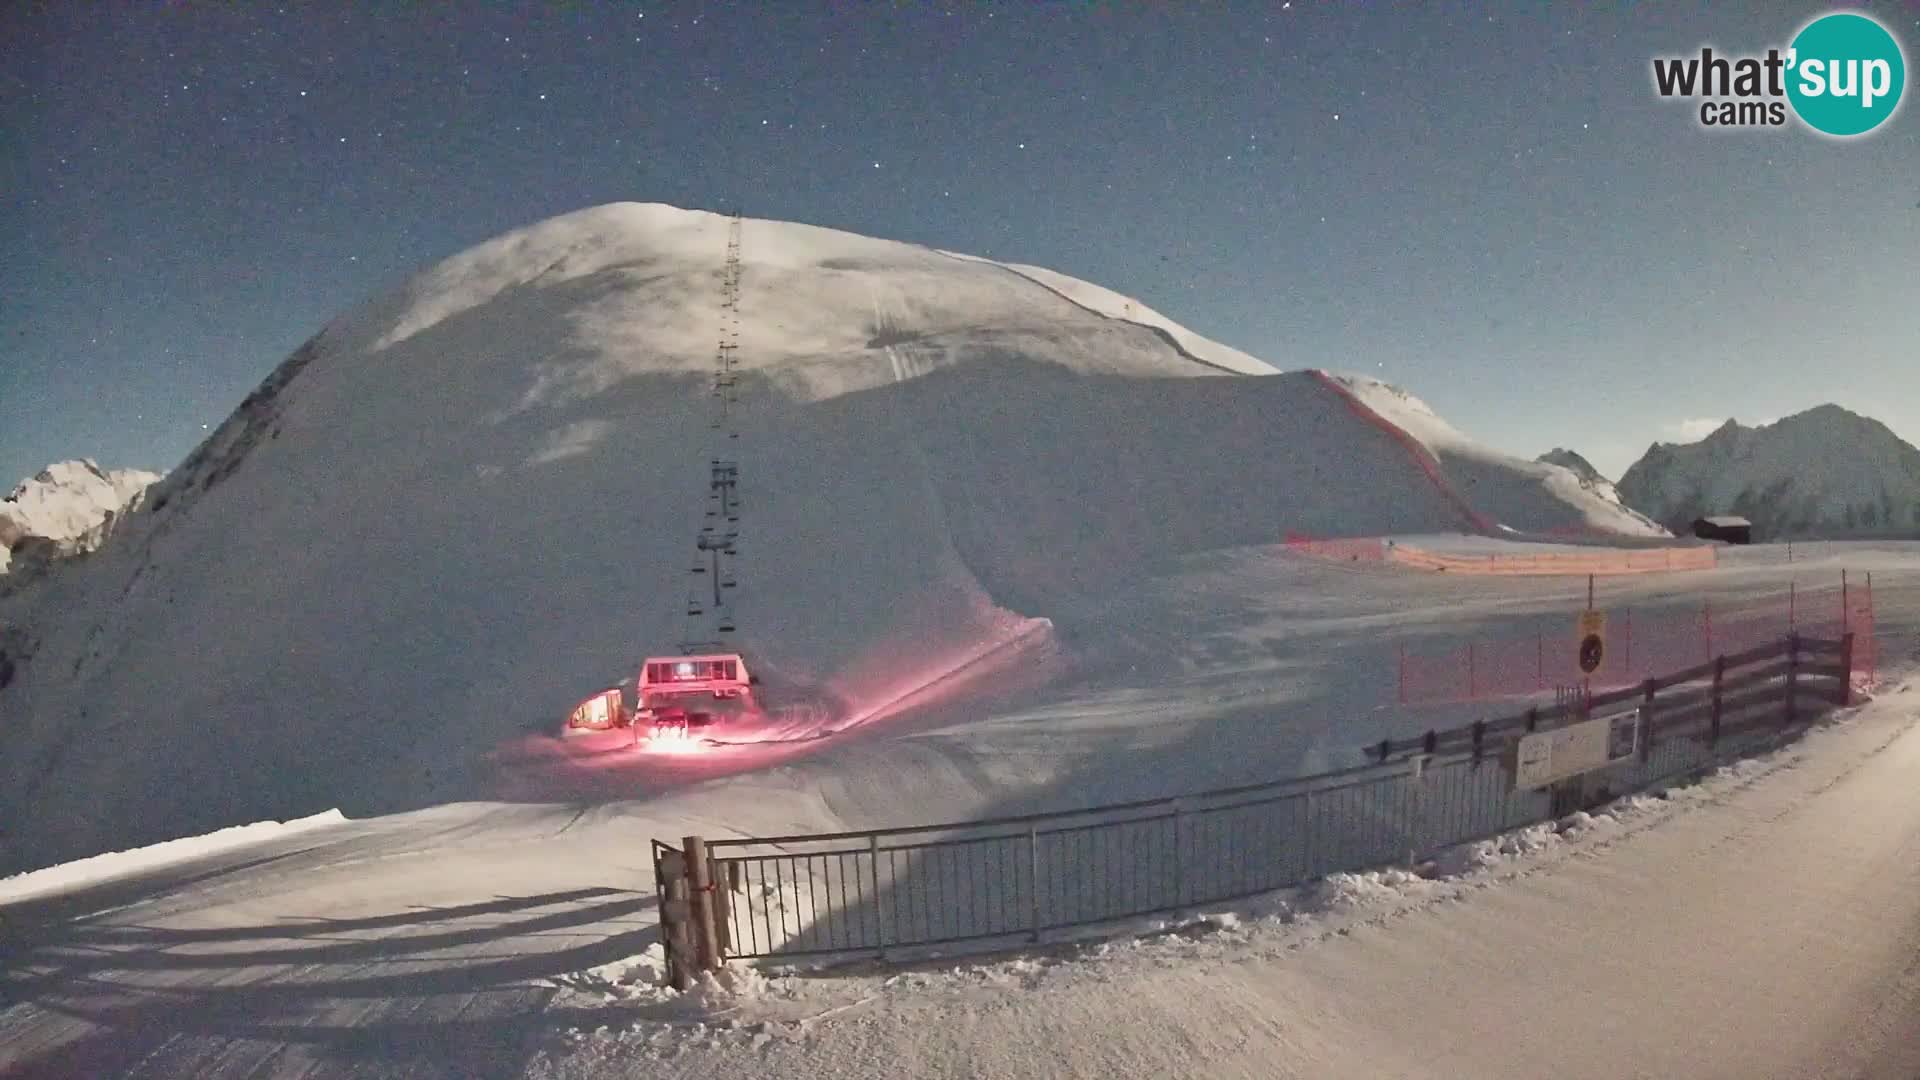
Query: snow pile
[[1349, 891], [478, 498], [639, 984], [1823, 472], [119, 864], [632, 979], [67, 508]]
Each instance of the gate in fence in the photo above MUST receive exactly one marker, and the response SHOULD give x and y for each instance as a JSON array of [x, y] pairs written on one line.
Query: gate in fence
[[1016, 879]]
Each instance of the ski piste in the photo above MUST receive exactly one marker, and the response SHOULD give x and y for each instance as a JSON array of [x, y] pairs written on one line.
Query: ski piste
[[706, 691]]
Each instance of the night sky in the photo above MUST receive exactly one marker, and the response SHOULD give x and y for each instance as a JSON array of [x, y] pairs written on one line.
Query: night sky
[[1487, 205]]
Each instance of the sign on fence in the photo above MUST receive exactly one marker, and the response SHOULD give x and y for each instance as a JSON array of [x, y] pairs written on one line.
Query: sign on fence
[[1592, 636], [1547, 757]]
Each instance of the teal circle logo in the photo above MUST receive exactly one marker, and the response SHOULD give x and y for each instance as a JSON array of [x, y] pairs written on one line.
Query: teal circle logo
[[1845, 73]]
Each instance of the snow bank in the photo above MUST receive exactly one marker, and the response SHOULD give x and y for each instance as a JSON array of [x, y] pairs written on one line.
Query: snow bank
[[118, 864]]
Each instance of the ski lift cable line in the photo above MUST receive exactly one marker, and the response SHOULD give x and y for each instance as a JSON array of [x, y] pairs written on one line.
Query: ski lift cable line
[[713, 548]]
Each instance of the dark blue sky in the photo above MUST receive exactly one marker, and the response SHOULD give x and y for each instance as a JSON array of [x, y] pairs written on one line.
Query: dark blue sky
[[1485, 203]]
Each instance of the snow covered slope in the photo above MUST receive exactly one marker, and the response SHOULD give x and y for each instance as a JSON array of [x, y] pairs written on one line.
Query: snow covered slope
[[469, 503], [1525, 496], [1582, 469], [65, 505], [1823, 472], [1110, 303]]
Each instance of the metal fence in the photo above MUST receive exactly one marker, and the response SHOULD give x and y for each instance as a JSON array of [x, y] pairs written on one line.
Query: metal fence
[[1019, 878]]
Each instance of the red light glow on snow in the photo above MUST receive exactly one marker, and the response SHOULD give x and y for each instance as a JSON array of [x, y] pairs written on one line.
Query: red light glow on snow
[[945, 648], [680, 744]]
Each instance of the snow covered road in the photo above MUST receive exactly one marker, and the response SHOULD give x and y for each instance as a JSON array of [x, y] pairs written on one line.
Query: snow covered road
[[410, 946], [1770, 927]]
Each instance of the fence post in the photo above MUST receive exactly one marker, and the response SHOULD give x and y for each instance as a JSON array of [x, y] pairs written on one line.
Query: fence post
[[1182, 887], [706, 942], [1033, 878], [675, 912], [1646, 725], [1869, 623], [660, 894], [1873, 640], [1306, 840], [879, 908], [1793, 673], [723, 870], [1403, 673], [1843, 601], [1417, 820], [1719, 676], [1706, 621], [1846, 669]]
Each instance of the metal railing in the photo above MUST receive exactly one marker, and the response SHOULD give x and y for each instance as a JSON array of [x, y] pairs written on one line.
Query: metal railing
[[1019, 878]]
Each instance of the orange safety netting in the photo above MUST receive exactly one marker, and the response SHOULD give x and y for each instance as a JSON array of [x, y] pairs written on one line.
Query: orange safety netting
[[1641, 643]]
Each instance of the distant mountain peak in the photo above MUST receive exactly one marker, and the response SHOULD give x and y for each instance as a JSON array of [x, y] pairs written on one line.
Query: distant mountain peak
[[1825, 471], [1569, 459], [66, 508]]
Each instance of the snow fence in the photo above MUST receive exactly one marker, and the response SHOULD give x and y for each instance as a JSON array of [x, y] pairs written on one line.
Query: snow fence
[[1596, 561], [1641, 644]]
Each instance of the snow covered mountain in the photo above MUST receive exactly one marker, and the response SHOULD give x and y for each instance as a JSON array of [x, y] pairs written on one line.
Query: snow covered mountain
[[67, 508], [1579, 466], [1589, 477], [1823, 472], [468, 503]]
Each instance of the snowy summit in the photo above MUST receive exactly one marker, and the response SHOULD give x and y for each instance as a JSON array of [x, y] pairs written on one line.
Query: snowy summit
[[68, 506]]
